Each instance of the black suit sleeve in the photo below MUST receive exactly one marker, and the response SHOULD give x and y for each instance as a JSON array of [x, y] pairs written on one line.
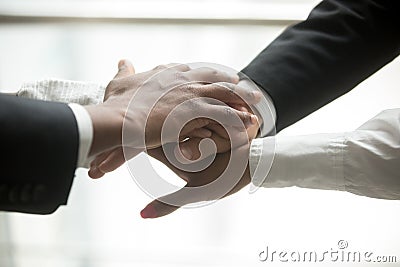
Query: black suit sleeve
[[39, 145], [341, 43]]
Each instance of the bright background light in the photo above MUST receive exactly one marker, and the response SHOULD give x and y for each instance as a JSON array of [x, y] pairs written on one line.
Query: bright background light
[[101, 226]]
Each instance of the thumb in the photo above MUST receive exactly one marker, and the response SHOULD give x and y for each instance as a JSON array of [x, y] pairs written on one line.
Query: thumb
[[125, 68], [169, 203], [118, 157], [156, 209], [196, 148]]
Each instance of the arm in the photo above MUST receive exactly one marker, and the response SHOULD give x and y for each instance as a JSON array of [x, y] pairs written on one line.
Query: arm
[[36, 134], [41, 141], [364, 162], [71, 92], [312, 63]]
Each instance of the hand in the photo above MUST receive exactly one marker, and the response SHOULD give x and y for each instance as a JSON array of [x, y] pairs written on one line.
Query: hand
[[108, 117], [162, 206], [190, 148]]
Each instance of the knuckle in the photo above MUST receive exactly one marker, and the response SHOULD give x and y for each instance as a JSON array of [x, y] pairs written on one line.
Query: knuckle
[[160, 67], [180, 76], [209, 71], [230, 88], [185, 67], [214, 72], [200, 122], [193, 106], [228, 112], [193, 88], [250, 95]]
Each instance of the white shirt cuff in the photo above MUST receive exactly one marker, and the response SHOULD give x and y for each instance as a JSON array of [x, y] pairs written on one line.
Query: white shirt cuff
[[85, 129], [83, 93], [314, 161], [260, 159]]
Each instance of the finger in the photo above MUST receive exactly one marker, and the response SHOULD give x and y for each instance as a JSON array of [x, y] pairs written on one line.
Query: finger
[[95, 173], [230, 93], [169, 203], [194, 126], [99, 158], [179, 67], [228, 116], [201, 133], [220, 115], [125, 68], [227, 138], [221, 131], [210, 75], [239, 107], [157, 209], [252, 131], [175, 66], [159, 154], [161, 207], [203, 128], [193, 149], [114, 160], [117, 158], [218, 129]]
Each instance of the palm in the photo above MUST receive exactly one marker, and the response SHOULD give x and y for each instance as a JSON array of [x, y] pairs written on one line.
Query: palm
[[169, 203]]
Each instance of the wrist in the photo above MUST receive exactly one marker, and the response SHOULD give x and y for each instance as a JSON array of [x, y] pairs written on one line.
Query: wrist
[[107, 128], [244, 150]]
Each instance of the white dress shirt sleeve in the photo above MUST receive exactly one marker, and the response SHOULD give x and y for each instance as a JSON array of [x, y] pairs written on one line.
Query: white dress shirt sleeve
[[76, 94], [364, 162]]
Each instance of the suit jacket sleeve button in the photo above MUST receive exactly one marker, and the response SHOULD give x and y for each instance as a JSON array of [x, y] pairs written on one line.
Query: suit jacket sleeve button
[[13, 194], [38, 191], [26, 193], [3, 192]]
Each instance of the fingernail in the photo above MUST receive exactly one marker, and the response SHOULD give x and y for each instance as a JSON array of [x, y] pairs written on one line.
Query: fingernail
[[101, 167], [187, 152], [250, 95], [206, 134], [244, 109], [148, 212], [92, 172], [236, 79], [253, 119]]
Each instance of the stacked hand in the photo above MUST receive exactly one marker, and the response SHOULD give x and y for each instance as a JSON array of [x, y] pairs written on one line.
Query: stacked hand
[[138, 108]]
